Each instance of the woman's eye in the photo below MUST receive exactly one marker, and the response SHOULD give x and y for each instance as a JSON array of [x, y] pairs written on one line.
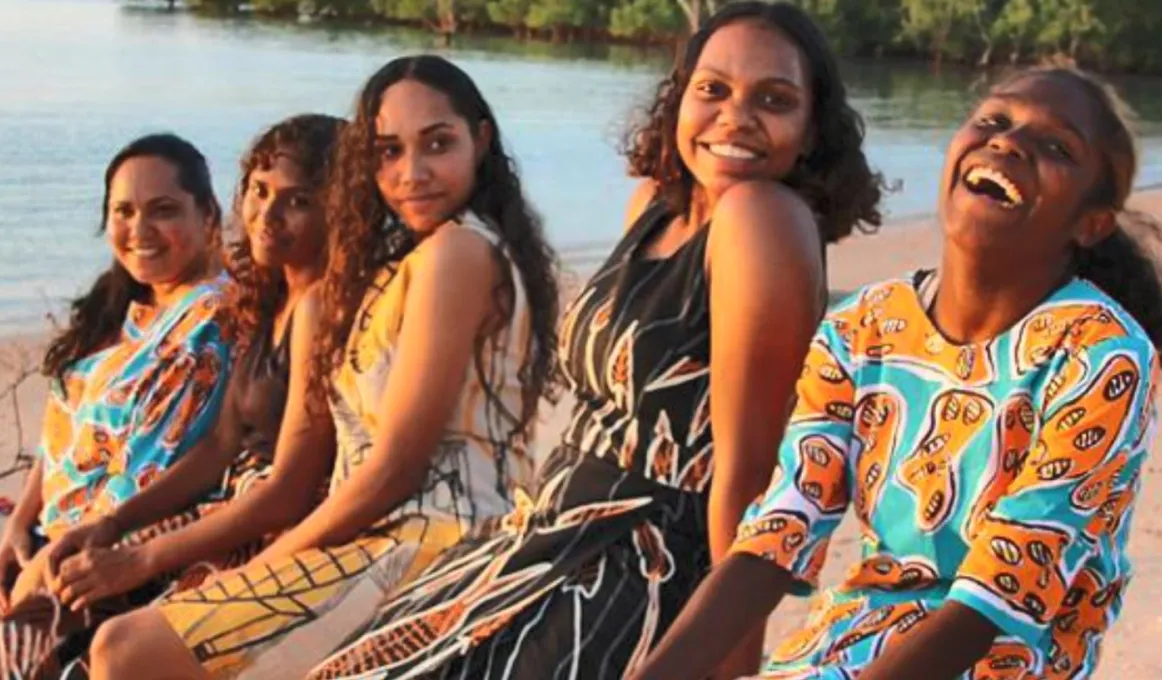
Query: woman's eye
[[710, 88], [123, 212], [775, 100], [1058, 148], [438, 144], [389, 151], [989, 121], [300, 202]]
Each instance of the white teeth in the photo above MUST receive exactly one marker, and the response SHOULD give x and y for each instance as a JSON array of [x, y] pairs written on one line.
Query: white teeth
[[732, 151], [982, 173], [146, 252]]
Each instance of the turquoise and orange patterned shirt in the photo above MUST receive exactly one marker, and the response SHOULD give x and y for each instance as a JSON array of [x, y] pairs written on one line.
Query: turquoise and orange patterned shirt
[[129, 411], [1001, 475]]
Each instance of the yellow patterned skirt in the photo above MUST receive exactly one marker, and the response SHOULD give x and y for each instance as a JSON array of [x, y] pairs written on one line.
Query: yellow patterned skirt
[[278, 620]]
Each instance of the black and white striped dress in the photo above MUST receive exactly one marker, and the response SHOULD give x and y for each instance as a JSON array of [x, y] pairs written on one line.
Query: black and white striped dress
[[583, 580]]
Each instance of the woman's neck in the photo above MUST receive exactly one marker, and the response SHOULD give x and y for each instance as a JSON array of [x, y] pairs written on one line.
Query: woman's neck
[[981, 298], [300, 279]]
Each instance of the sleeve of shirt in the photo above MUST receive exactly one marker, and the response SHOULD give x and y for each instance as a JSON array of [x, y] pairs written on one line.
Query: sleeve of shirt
[[1072, 495], [791, 523], [179, 401]]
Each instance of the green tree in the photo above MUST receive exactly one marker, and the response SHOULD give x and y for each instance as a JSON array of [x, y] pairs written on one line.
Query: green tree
[[284, 8], [563, 17], [942, 28], [646, 18], [511, 13]]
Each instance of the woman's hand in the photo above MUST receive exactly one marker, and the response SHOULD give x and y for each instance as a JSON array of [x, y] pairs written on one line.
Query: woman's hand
[[15, 555], [98, 573], [101, 533]]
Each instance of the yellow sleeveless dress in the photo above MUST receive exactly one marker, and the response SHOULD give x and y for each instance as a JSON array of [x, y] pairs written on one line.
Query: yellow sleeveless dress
[[277, 620]]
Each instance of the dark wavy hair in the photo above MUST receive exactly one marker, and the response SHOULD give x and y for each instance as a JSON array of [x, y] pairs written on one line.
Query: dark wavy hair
[[365, 235], [95, 318], [308, 141], [834, 178], [1118, 264]]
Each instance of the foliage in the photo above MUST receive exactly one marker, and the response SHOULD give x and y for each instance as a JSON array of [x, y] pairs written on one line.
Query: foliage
[[1102, 34]]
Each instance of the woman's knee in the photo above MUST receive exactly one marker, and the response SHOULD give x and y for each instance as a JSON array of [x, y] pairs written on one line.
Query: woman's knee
[[114, 639]]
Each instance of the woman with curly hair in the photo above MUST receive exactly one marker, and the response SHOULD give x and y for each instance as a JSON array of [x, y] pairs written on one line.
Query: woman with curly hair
[[436, 331], [196, 510], [138, 379], [986, 423], [682, 353]]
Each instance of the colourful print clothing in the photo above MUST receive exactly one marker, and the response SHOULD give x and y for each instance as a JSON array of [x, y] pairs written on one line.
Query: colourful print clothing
[[582, 580], [129, 411], [1001, 475], [276, 620]]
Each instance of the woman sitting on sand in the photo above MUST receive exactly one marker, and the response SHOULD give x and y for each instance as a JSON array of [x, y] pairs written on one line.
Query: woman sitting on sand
[[987, 423], [438, 308], [196, 510], [139, 374], [650, 480]]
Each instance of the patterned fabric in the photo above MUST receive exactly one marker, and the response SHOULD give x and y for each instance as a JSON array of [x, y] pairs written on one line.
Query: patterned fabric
[[584, 580], [999, 474], [129, 411], [37, 641], [278, 619]]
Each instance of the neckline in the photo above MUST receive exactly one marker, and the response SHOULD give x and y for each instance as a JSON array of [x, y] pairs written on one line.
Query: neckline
[[654, 223], [930, 327]]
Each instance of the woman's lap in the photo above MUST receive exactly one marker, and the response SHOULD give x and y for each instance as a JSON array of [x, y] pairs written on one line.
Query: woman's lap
[[279, 620]]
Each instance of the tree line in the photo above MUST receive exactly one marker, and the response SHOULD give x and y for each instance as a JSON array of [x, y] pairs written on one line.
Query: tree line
[[1111, 35]]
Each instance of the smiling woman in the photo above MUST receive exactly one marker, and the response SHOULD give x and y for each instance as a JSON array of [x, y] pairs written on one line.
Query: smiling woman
[[138, 378], [648, 482], [434, 340], [987, 425]]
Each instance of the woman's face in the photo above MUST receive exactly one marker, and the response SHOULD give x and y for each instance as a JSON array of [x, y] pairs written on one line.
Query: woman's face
[[1019, 174], [155, 227], [283, 216], [746, 112], [428, 155]]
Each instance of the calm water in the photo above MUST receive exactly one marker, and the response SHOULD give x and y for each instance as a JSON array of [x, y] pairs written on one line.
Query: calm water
[[79, 79]]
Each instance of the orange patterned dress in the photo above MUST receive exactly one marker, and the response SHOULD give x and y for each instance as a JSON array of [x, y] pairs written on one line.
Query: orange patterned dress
[[1001, 475]]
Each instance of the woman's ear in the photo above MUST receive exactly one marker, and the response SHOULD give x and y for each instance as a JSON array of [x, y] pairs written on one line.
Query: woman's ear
[[484, 132], [1096, 226]]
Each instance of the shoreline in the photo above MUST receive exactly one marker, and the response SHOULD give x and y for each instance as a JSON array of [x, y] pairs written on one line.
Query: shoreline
[[663, 41]]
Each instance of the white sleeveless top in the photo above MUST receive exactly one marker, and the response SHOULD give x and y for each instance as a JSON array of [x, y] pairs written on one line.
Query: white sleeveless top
[[480, 462]]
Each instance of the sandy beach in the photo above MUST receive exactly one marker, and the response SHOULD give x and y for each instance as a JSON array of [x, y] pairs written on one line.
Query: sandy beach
[[1130, 650]]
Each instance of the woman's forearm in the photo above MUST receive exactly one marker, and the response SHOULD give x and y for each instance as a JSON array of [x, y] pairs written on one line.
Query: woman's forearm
[[731, 603], [179, 487], [368, 496], [269, 507], [31, 498]]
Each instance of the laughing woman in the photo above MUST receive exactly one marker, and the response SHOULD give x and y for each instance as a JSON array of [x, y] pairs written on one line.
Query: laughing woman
[[754, 162], [436, 333], [987, 425]]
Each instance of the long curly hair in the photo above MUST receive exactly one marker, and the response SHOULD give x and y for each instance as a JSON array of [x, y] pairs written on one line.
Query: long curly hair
[[834, 178], [308, 141], [1119, 264], [96, 318], [365, 235]]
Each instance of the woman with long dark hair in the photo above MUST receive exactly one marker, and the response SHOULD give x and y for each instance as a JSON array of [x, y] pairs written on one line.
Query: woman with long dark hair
[[434, 347], [681, 352], [987, 423], [230, 493], [139, 373]]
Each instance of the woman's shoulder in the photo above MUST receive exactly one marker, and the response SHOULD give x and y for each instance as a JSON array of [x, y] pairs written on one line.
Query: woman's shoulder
[[1087, 316], [203, 316]]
